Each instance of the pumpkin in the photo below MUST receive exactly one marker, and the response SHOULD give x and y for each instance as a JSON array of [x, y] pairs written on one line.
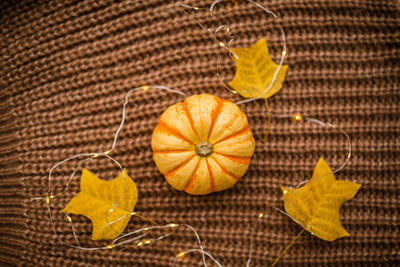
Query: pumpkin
[[202, 145]]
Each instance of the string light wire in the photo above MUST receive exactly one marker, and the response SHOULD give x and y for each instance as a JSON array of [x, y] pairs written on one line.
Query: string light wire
[[283, 54], [296, 118], [90, 156], [116, 242], [182, 254], [299, 118], [119, 241]]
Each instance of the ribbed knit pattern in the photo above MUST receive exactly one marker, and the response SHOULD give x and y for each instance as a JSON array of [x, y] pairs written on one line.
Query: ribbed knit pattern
[[66, 67]]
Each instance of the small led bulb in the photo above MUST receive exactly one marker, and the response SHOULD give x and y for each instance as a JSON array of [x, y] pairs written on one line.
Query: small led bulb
[[181, 255], [48, 198], [297, 117]]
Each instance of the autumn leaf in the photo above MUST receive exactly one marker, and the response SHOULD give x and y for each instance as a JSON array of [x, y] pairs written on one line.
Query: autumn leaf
[[316, 205], [255, 71], [96, 200]]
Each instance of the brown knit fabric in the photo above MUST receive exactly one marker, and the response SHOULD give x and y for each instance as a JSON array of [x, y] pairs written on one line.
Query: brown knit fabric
[[67, 65]]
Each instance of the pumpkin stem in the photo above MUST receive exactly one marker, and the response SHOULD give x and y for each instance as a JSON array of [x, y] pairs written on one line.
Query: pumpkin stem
[[204, 149]]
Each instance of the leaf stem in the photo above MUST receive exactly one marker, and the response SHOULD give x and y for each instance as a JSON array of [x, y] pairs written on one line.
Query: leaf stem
[[286, 249]]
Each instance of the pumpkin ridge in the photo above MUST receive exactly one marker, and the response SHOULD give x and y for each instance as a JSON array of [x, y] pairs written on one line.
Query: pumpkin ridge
[[191, 181], [225, 171], [215, 114], [212, 179], [232, 122], [183, 164], [164, 126], [242, 160], [189, 116], [233, 135]]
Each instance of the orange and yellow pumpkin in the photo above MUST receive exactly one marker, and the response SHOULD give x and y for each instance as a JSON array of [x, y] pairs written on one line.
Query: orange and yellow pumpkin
[[203, 144]]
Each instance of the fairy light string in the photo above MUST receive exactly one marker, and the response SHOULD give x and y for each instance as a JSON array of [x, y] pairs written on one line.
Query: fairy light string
[[232, 38], [140, 237], [182, 254], [89, 156], [228, 46], [295, 118]]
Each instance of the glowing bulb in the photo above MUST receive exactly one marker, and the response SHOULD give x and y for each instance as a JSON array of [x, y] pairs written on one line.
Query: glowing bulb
[[48, 198], [145, 88], [147, 242], [284, 53], [95, 155], [297, 117], [261, 215], [111, 210], [172, 225], [285, 191], [227, 29], [221, 44], [139, 244], [181, 255], [110, 246], [107, 152], [196, 8], [69, 218], [133, 213]]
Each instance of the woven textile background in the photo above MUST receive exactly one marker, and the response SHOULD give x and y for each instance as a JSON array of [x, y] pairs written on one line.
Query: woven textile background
[[67, 65]]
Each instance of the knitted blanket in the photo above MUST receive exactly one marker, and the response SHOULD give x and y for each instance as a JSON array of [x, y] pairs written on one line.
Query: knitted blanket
[[66, 67]]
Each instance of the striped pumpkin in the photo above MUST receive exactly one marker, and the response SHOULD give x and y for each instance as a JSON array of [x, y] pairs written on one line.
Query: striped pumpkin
[[203, 144]]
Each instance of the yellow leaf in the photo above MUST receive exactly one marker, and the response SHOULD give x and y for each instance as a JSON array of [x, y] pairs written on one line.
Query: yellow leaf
[[255, 71], [96, 199], [316, 205]]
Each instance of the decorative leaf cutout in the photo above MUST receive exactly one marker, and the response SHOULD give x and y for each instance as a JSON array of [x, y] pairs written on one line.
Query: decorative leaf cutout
[[96, 199], [255, 71], [316, 205]]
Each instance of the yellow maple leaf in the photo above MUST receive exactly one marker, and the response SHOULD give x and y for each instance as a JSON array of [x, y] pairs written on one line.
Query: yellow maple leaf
[[255, 71], [96, 200], [316, 205]]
